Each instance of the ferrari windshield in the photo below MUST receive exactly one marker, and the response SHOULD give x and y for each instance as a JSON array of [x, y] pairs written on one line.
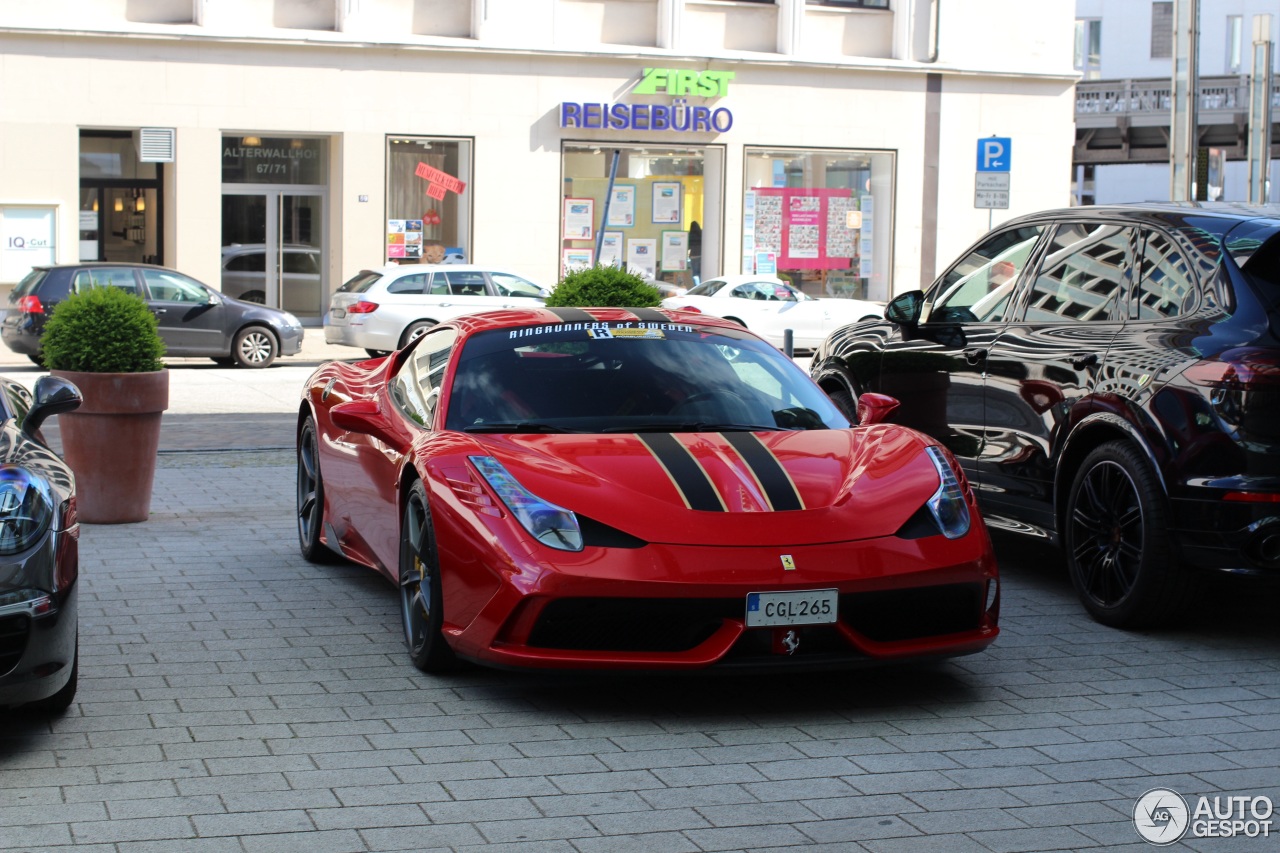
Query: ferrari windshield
[[630, 377]]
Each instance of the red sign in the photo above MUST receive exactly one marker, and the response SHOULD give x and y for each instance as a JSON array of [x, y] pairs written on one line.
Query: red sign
[[443, 179], [436, 191]]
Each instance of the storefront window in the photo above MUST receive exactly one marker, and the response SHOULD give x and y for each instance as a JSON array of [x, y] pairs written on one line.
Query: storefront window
[[656, 222], [820, 219], [428, 200]]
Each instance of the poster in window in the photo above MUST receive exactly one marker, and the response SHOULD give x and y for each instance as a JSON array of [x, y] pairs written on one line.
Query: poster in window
[[611, 249], [579, 218], [642, 257], [576, 259], [668, 198], [675, 250], [622, 206]]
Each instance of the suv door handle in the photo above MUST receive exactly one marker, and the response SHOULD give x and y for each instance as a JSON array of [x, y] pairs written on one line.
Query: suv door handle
[[973, 355], [160, 310], [1081, 360]]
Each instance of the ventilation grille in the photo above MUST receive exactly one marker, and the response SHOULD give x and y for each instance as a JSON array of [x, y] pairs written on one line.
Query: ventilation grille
[[156, 144]]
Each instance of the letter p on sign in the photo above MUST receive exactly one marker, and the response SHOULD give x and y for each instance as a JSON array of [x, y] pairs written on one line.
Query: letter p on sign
[[993, 153]]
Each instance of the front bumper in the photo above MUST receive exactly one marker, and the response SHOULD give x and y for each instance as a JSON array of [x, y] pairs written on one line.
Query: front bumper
[[664, 607], [291, 340]]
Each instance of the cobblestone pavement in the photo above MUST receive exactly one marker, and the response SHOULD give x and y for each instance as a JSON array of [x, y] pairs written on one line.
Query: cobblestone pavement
[[235, 699]]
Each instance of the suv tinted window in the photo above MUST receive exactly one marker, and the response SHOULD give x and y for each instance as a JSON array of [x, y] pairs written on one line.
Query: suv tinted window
[[361, 282], [302, 263], [980, 288], [1083, 274], [1166, 287], [251, 262]]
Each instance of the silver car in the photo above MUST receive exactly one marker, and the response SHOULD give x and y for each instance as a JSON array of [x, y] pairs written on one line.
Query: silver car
[[384, 309]]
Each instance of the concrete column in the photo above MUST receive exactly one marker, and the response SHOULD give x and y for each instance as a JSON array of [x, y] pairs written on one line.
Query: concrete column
[[790, 26]]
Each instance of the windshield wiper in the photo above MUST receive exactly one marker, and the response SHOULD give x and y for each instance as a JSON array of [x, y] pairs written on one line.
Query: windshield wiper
[[515, 426], [692, 426]]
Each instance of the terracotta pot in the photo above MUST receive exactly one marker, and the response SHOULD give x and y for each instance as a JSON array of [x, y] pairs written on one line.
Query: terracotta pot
[[110, 442]]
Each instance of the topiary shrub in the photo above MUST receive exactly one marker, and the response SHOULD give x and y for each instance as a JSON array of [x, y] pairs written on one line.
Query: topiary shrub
[[102, 330], [602, 286]]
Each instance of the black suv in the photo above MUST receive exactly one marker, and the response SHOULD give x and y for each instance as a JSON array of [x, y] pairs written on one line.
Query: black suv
[[1109, 377], [194, 319]]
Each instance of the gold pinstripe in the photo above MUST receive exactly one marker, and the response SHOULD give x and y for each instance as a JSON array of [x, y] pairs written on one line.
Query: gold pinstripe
[[667, 471]]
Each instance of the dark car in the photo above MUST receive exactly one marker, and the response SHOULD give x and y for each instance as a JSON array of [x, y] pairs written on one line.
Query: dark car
[[1109, 378], [194, 319], [39, 556]]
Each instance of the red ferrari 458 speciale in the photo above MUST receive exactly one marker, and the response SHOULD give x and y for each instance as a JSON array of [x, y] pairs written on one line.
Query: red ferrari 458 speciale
[[638, 489]]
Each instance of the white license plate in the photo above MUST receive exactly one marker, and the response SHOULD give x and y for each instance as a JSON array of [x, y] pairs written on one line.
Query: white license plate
[[338, 313], [800, 607]]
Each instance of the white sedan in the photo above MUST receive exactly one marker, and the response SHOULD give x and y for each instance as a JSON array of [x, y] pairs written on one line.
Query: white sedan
[[384, 309], [769, 306]]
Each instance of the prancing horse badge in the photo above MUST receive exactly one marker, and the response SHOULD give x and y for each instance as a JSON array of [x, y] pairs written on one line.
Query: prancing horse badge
[[788, 564]]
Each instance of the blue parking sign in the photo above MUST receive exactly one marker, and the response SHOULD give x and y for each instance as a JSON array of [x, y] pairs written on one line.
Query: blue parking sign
[[994, 153]]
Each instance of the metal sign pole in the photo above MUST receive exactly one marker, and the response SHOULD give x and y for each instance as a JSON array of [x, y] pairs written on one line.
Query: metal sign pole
[[1183, 101], [608, 198], [1259, 148]]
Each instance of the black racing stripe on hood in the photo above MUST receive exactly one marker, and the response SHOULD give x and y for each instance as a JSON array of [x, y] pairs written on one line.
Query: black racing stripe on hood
[[773, 478], [686, 474], [572, 315]]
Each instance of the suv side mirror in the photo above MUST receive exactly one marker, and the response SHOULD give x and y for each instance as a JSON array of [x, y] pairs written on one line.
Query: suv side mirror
[[904, 309]]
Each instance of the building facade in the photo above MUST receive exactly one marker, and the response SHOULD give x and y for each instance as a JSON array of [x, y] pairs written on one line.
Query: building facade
[[1124, 51], [275, 148]]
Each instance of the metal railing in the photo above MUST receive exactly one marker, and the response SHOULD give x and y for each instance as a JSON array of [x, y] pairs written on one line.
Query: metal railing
[[1151, 96]]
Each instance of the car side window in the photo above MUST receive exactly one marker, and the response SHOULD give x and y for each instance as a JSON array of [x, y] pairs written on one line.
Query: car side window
[[1166, 286], [416, 283], [416, 386], [121, 277], [513, 285], [980, 288], [248, 262], [465, 283], [167, 286], [1085, 271], [707, 288], [301, 263]]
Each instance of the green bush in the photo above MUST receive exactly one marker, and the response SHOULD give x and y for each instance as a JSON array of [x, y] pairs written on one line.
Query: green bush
[[601, 287], [102, 330]]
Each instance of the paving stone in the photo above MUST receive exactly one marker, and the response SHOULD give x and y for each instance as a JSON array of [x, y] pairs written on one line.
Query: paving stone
[[238, 700]]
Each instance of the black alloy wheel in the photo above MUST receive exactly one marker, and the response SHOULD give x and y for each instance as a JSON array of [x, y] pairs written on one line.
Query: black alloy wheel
[[311, 498], [1119, 551], [254, 346], [421, 599]]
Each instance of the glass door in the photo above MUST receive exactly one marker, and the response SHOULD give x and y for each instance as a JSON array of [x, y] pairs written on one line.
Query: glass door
[[272, 249]]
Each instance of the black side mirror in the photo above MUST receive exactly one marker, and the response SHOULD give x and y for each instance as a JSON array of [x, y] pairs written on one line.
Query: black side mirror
[[53, 396], [904, 309]]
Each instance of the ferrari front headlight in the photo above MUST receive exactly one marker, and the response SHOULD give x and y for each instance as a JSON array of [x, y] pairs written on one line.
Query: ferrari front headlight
[[948, 506], [553, 526], [26, 508]]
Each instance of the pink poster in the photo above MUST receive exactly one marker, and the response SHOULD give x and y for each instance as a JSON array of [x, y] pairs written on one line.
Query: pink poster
[[794, 223]]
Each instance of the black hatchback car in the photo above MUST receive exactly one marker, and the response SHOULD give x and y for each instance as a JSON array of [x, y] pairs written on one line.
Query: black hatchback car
[[194, 319], [1109, 377]]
